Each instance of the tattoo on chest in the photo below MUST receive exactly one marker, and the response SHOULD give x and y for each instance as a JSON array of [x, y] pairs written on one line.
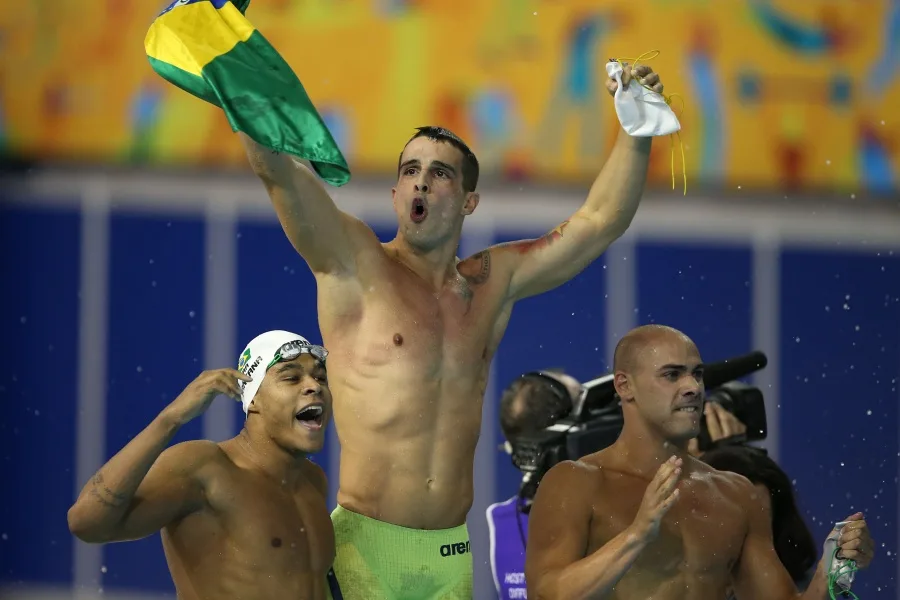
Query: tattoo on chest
[[104, 495]]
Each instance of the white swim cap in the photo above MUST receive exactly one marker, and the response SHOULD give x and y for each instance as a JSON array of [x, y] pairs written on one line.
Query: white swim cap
[[264, 351]]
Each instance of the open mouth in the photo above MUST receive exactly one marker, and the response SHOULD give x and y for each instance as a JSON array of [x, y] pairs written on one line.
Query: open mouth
[[688, 409], [419, 210], [312, 416]]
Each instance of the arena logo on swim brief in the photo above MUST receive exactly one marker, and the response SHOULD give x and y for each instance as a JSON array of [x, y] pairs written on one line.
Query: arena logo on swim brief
[[454, 549]]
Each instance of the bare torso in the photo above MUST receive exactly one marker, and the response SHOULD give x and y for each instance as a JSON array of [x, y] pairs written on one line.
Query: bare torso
[[408, 367], [255, 539], [699, 542]]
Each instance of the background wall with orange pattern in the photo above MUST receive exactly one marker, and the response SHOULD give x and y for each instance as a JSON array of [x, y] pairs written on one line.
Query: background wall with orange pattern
[[776, 93]]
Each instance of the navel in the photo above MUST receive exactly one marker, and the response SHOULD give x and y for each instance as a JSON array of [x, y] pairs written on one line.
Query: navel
[[398, 339]]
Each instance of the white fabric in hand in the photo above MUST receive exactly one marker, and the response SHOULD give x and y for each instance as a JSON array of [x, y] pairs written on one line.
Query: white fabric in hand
[[642, 112]]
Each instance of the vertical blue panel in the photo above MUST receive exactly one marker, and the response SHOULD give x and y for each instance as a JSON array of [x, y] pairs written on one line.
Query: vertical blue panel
[[563, 328], [703, 291], [155, 350], [38, 390], [840, 374]]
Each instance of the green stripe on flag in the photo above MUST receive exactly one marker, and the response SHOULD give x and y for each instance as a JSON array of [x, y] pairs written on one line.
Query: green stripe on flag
[[186, 81], [262, 97]]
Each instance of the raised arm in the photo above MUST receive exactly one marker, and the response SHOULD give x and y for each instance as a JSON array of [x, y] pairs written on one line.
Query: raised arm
[[538, 265], [327, 238], [557, 565], [541, 264], [144, 487]]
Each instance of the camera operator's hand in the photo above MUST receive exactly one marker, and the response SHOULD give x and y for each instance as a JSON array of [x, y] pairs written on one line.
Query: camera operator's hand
[[659, 497], [721, 425]]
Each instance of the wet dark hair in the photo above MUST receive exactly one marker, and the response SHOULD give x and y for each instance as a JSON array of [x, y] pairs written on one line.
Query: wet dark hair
[[531, 403], [792, 539], [469, 162]]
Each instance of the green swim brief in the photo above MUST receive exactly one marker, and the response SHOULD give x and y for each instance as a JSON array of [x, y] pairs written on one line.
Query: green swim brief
[[381, 561]]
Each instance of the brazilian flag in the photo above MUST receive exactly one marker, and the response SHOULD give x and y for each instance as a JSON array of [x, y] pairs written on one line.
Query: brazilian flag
[[209, 49]]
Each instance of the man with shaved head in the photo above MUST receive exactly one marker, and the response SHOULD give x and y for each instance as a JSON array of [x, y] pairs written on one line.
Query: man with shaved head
[[644, 519]]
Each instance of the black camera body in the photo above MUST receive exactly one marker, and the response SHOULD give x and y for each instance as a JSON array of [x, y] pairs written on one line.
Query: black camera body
[[596, 419], [744, 402]]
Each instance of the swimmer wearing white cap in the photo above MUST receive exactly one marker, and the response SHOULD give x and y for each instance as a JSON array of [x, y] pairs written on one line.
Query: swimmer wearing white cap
[[245, 518]]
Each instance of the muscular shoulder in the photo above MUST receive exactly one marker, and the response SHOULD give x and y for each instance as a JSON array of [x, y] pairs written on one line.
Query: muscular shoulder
[[571, 479], [193, 455], [728, 482], [196, 460], [736, 488]]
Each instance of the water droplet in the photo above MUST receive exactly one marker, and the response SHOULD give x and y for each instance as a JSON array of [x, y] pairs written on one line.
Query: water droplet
[[192, 314], [151, 261], [103, 569], [140, 369], [797, 339], [23, 319], [4, 537], [869, 413]]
